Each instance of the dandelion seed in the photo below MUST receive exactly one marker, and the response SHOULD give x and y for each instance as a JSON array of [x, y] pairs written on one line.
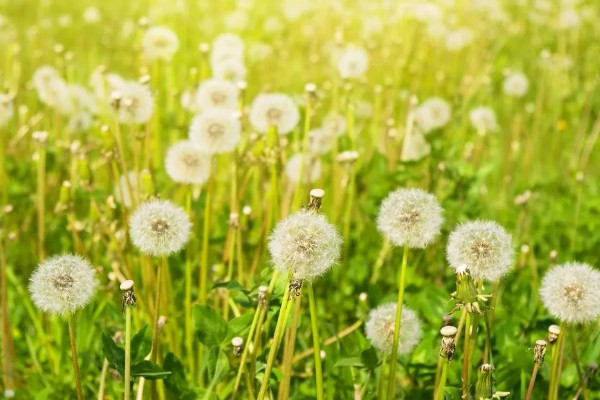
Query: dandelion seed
[[311, 170], [353, 62], [159, 228], [159, 43], [515, 85], [484, 248], [186, 163], [410, 217], [381, 324], [215, 131], [136, 104], [304, 244], [276, 110], [571, 292], [217, 93], [62, 284]]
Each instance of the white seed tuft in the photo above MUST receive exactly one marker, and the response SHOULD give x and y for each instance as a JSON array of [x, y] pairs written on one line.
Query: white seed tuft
[[274, 109], [380, 329], [186, 163], [215, 131]]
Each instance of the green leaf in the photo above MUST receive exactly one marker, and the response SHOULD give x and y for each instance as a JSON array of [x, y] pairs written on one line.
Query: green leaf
[[113, 353], [218, 365], [148, 370], [230, 285], [211, 328], [369, 358], [238, 326], [350, 362], [175, 383], [141, 344]]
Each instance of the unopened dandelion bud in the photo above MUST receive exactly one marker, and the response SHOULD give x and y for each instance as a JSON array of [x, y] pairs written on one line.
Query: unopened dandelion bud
[[466, 292], [144, 79], [262, 295], [316, 195], [483, 386], [237, 343], [310, 88], [117, 336], [539, 351], [553, 333], [129, 299], [147, 184], [204, 48], [448, 341]]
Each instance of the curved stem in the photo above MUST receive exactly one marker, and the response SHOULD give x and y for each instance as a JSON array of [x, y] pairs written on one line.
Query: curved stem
[[394, 356], [316, 344], [74, 358], [240, 371], [536, 367]]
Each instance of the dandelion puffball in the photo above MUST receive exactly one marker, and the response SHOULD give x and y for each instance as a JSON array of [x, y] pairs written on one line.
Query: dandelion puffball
[[159, 43], [381, 324], [217, 93], [136, 104], [186, 163], [321, 140], [482, 247], [483, 119], [215, 131], [274, 109], [62, 284], [159, 228], [433, 113], [353, 62], [410, 217], [311, 170], [231, 69], [515, 85], [304, 244], [336, 123], [571, 292]]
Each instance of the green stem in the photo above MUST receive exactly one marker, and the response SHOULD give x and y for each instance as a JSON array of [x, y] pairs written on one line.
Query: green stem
[[74, 358], [155, 322], [394, 357], [439, 391], [385, 248], [466, 356], [381, 384], [127, 353], [189, 344], [240, 371], [578, 364], [316, 344], [283, 313], [536, 367], [205, 234], [41, 198]]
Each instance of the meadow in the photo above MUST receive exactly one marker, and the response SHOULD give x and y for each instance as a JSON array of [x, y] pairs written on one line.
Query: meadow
[[290, 199]]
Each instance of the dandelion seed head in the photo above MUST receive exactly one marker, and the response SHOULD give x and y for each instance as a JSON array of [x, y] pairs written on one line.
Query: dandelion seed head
[[186, 163], [380, 329], [159, 42], [232, 69], [353, 62], [274, 109], [136, 103], [215, 131], [571, 292], [321, 141], [62, 284], [311, 170], [414, 146], [217, 93], [410, 217], [515, 84], [335, 123], [52, 90], [483, 119], [159, 228], [433, 113], [483, 247], [305, 244]]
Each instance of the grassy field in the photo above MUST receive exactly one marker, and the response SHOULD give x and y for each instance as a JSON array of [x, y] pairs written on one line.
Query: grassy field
[[177, 144]]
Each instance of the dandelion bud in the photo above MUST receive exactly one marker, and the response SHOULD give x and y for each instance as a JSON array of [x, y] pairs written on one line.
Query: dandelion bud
[[448, 341], [262, 295], [466, 292], [539, 351], [62, 284], [347, 157], [159, 228], [237, 343], [129, 299], [381, 324], [304, 244], [410, 217], [315, 199], [553, 332], [83, 171], [571, 292], [483, 386]]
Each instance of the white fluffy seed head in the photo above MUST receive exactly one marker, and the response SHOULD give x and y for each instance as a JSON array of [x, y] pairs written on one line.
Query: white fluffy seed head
[[159, 43], [571, 292], [227, 43], [353, 62], [321, 141], [305, 244], [215, 131], [159, 228], [186, 163], [516, 85], [311, 170], [414, 146], [410, 217], [62, 284], [335, 123], [380, 329], [482, 247], [136, 103], [483, 119], [52, 90], [217, 93], [274, 109], [232, 69], [433, 113]]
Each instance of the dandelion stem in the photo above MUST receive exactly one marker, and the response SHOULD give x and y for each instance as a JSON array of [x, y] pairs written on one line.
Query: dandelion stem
[[74, 358], [393, 359], [316, 344], [205, 234], [466, 356], [155, 322], [127, 380], [288, 353], [283, 314], [439, 390], [536, 367], [248, 340], [381, 384], [102, 379], [41, 198], [189, 344], [385, 248], [578, 364]]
